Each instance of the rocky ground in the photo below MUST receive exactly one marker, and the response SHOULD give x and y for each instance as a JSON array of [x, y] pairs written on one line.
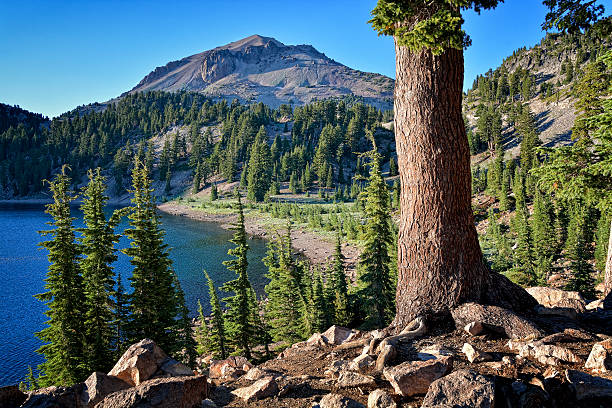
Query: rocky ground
[[560, 356]]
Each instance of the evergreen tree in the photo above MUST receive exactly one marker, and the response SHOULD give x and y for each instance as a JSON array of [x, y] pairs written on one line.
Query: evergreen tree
[[213, 192], [185, 344], [544, 239], [217, 332], [285, 310], [239, 304], [202, 333], [97, 242], [376, 288], [152, 303], [392, 167], [63, 338], [260, 167], [579, 253], [342, 314], [501, 251]]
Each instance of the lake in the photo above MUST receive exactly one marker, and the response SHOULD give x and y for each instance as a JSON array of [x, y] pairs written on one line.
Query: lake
[[195, 246]]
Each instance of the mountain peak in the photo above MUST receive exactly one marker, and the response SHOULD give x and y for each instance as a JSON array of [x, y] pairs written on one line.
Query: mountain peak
[[263, 69], [255, 40]]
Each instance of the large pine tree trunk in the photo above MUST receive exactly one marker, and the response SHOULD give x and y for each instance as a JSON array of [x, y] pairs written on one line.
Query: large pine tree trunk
[[439, 258]]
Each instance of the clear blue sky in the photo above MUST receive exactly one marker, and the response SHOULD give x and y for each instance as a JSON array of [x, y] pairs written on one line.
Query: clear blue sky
[[56, 55]]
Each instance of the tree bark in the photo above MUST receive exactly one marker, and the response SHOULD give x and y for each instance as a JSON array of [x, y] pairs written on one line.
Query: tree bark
[[440, 264]]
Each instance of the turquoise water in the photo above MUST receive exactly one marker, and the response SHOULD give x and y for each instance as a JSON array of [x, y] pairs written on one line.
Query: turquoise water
[[195, 245]]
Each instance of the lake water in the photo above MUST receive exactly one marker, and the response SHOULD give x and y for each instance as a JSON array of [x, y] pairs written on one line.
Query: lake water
[[195, 246]]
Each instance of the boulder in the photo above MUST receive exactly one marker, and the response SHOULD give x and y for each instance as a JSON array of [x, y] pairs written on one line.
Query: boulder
[[549, 354], [231, 367], [260, 389], [171, 392], [337, 335], [414, 377], [338, 401], [139, 362], [595, 305], [361, 362], [461, 389], [11, 396], [474, 328], [318, 340], [173, 368], [474, 355], [351, 379], [385, 357], [600, 358], [588, 386], [552, 298], [99, 385], [255, 374], [208, 403], [496, 318], [381, 399], [56, 397]]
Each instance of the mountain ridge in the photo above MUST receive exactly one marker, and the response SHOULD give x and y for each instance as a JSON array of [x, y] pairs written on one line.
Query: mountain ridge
[[263, 69]]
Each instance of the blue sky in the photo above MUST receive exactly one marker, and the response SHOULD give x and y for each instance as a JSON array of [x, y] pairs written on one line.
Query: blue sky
[[56, 55]]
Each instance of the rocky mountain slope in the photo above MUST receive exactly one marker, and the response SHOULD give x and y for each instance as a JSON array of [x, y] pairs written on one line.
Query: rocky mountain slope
[[265, 70], [542, 78]]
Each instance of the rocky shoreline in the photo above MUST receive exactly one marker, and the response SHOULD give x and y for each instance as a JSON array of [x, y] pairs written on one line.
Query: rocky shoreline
[[316, 249]]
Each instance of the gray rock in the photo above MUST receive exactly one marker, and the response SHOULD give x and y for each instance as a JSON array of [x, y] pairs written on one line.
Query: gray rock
[[474, 355], [174, 368], [380, 399], [99, 385], [549, 354], [350, 379], [260, 389], [600, 358], [338, 401], [461, 389], [361, 363], [171, 392], [337, 335], [231, 367], [414, 377], [139, 362], [56, 397]]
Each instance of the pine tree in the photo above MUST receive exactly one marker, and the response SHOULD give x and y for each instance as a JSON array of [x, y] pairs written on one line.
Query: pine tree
[[285, 310], [317, 305], [544, 240], [376, 288], [197, 178], [579, 253], [185, 346], [97, 242], [213, 192], [63, 338], [523, 255], [202, 333], [152, 303], [217, 332], [501, 252], [342, 314], [392, 167], [260, 167], [239, 304]]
